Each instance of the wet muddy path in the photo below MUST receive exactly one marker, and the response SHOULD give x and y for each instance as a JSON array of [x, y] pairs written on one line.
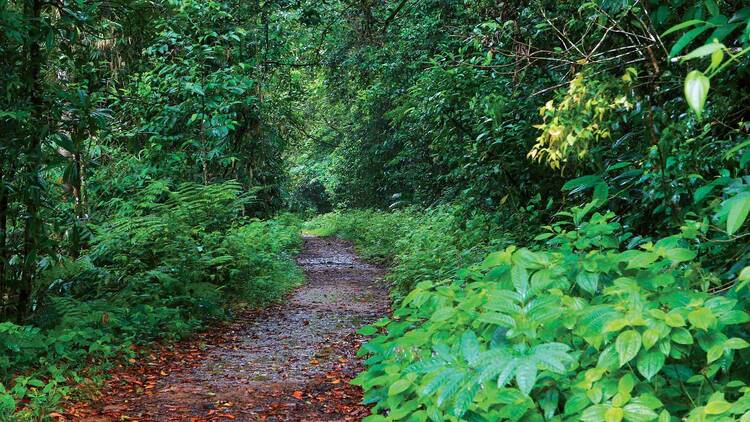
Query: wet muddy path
[[290, 362]]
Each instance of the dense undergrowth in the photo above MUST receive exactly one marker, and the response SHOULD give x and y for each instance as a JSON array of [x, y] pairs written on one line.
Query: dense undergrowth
[[160, 268], [417, 244], [576, 326]]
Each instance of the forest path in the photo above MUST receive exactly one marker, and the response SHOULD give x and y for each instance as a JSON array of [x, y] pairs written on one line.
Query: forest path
[[289, 362]]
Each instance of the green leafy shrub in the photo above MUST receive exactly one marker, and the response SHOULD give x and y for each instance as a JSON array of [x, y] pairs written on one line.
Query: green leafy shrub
[[581, 328], [262, 268]]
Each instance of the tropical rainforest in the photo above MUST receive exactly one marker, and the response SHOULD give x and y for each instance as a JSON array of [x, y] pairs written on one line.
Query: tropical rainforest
[[558, 189]]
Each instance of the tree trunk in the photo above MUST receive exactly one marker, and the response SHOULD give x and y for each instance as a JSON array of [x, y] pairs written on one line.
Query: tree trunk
[[4, 282], [33, 9]]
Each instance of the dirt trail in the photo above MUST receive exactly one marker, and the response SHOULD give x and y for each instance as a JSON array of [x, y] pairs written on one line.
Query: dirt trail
[[290, 362]]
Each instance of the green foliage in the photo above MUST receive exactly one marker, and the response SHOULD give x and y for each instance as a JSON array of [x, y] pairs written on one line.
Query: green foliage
[[579, 329], [111, 113], [140, 139], [163, 266], [418, 245]]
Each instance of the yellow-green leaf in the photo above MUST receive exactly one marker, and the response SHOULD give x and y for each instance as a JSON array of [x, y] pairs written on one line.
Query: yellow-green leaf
[[614, 414], [650, 337], [717, 407], [674, 319], [702, 318]]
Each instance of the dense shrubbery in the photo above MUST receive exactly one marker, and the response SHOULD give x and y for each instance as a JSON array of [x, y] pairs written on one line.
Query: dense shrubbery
[[579, 327], [160, 268], [419, 245]]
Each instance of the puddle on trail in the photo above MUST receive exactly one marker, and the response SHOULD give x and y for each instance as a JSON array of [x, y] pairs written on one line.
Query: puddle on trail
[[290, 362]]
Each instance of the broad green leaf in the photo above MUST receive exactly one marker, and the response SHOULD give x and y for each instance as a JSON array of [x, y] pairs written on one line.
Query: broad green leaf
[[495, 368], [520, 278], [601, 193], [608, 359], [398, 387], [576, 403], [679, 255], [507, 372], [464, 399], [638, 259], [628, 344], [744, 275], [425, 366], [367, 330], [436, 382], [587, 281], [738, 211], [620, 399], [704, 51], [686, 39], [702, 192], [674, 319], [497, 318], [649, 364], [682, 25], [595, 394], [636, 412], [712, 7], [716, 58], [595, 413], [581, 183], [549, 403], [443, 314], [454, 383], [682, 336], [615, 325], [714, 353]]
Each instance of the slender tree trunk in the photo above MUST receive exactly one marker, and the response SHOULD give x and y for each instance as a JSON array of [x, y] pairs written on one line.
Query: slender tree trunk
[[204, 141], [75, 244], [33, 9], [4, 282]]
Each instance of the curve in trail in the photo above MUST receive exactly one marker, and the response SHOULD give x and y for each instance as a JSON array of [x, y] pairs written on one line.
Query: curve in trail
[[290, 362]]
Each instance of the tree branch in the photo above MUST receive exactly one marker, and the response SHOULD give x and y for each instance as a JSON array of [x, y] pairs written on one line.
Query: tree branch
[[390, 18]]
